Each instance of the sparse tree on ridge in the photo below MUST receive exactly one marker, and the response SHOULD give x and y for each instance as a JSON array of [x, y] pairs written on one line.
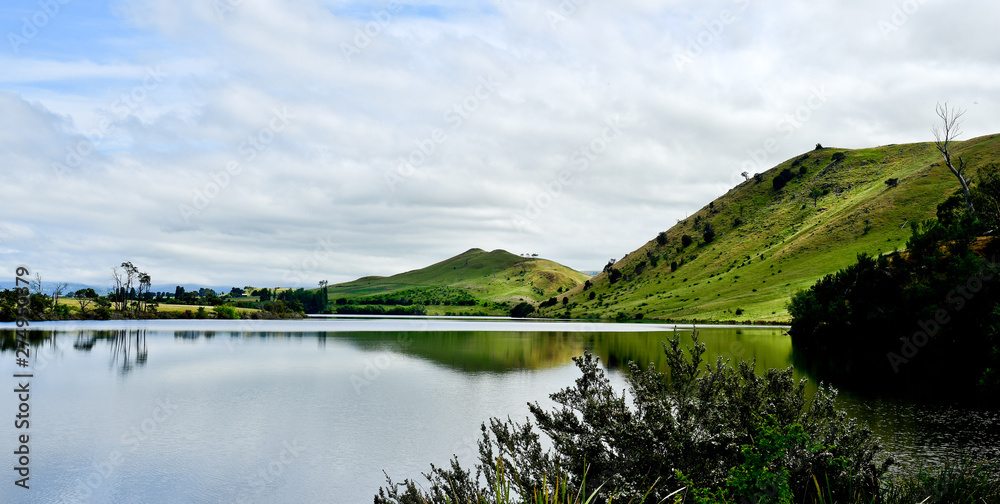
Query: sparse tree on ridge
[[943, 136]]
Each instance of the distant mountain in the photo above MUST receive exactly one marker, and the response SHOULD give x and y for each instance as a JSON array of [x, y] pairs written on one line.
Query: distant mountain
[[47, 287], [770, 238], [490, 276]]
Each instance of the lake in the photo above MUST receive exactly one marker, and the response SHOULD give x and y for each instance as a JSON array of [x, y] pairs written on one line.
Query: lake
[[314, 410]]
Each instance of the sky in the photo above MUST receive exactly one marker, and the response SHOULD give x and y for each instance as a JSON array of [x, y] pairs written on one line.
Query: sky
[[281, 142]]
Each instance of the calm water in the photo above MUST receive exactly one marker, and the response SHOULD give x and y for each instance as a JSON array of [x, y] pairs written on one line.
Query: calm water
[[315, 410]]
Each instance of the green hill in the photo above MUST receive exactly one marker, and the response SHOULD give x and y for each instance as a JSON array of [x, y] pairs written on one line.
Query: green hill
[[497, 278], [770, 242]]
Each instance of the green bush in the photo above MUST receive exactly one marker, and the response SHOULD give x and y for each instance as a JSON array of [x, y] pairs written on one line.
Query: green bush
[[781, 179], [522, 310], [225, 312], [717, 430]]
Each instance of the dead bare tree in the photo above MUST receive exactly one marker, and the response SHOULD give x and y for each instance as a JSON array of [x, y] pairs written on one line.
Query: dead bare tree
[[116, 276], [56, 292], [944, 135], [36, 284]]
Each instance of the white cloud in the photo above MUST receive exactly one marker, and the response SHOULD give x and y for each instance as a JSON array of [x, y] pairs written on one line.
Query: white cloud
[[689, 126]]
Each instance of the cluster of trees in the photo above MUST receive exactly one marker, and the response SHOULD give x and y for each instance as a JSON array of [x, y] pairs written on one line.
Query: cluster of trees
[[130, 293], [131, 297], [303, 301], [926, 320], [431, 296], [381, 310]]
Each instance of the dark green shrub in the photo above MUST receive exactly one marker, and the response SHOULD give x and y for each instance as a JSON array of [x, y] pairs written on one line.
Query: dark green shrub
[[614, 274], [781, 179], [709, 234], [661, 239], [686, 241], [522, 310]]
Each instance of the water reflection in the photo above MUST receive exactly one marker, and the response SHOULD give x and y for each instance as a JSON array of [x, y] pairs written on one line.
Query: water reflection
[[915, 432], [128, 349]]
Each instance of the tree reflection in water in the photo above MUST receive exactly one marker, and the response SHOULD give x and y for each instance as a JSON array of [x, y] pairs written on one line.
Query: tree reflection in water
[[128, 349]]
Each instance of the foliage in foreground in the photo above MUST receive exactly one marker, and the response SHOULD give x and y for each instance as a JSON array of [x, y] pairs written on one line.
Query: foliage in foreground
[[723, 434]]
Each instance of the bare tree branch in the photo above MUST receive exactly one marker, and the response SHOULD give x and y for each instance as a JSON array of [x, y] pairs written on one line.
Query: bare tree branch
[[944, 135]]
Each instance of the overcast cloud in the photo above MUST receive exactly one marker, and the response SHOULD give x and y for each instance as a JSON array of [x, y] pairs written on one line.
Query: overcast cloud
[[271, 142]]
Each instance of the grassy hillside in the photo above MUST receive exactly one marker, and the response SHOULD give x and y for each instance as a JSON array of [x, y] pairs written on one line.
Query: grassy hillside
[[496, 277], [770, 243]]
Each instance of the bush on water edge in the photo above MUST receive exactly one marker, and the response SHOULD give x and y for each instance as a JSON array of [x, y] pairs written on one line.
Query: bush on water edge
[[696, 433]]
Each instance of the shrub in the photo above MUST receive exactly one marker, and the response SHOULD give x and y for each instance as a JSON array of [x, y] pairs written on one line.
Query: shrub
[[893, 182], [715, 429], [782, 179], [838, 156], [686, 241], [661, 239], [522, 310], [614, 274], [225, 312], [709, 234]]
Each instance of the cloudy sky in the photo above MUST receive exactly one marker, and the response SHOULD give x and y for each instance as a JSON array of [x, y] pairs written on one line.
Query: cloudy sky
[[281, 142]]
